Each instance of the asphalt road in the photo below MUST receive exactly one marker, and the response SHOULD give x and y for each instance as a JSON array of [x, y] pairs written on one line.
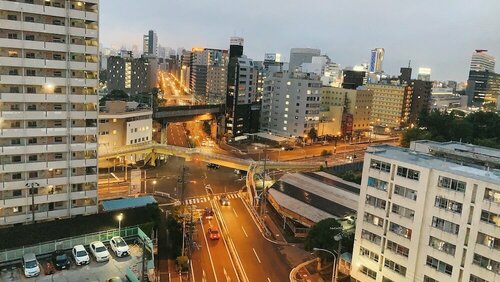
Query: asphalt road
[[176, 135]]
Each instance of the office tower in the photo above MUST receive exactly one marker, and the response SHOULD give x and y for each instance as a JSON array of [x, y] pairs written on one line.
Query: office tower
[[338, 102], [242, 107], [428, 215], [405, 75], [482, 87], [291, 103], [391, 104], [352, 79], [132, 75], [298, 56], [208, 75], [482, 61], [48, 124], [420, 99], [185, 70], [424, 74], [150, 44], [376, 60]]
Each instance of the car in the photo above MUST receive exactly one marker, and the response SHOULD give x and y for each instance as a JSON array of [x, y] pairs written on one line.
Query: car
[[31, 266], [224, 200], [208, 213], [99, 251], [80, 255], [60, 260], [289, 148], [119, 246], [212, 165], [213, 233]]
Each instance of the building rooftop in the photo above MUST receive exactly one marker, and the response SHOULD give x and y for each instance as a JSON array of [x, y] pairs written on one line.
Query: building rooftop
[[434, 162]]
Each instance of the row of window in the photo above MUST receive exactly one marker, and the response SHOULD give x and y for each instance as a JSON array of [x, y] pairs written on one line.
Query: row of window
[[444, 225], [487, 263], [408, 173]]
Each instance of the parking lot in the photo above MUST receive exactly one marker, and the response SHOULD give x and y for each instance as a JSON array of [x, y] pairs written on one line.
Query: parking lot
[[101, 272]]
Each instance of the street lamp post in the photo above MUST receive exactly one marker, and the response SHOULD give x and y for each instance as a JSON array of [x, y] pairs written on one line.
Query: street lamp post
[[119, 217], [334, 260], [32, 187]]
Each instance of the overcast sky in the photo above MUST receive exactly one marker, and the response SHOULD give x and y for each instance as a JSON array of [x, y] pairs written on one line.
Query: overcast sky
[[440, 34]]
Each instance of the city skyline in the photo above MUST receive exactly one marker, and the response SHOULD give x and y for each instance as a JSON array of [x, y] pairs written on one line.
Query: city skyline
[[448, 52]]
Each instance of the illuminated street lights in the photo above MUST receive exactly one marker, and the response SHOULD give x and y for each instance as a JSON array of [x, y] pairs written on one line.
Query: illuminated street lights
[[154, 186], [119, 217]]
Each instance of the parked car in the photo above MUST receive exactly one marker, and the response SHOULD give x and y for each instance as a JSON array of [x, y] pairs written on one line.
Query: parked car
[[224, 200], [31, 266], [213, 233], [60, 260], [119, 246], [288, 148], [80, 255], [99, 251]]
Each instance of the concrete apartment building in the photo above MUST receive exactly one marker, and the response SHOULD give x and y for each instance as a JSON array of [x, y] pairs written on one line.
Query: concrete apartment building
[[124, 123], [345, 111], [429, 214], [391, 104], [208, 75], [48, 97], [132, 75], [291, 103]]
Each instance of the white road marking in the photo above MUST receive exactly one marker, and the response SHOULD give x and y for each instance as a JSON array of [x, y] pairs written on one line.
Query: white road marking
[[268, 279], [192, 271], [256, 255], [246, 235], [209, 253], [235, 212]]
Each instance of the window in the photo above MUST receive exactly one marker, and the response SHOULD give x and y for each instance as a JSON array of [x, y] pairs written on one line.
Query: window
[[405, 192], [380, 165], [439, 265], [490, 217], [12, 35], [15, 159], [57, 123], [448, 205], [408, 173], [395, 267], [17, 209], [33, 158], [402, 211], [58, 107], [400, 230], [16, 176], [57, 57], [385, 279], [12, 17], [29, 19], [14, 107], [441, 245], [31, 90], [31, 107], [32, 140], [30, 72], [33, 174], [376, 202], [429, 279], [368, 272], [374, 238], [30, 37], [373, 219], [377, 183], [367, 253], [16, 141], [13, 72], [58, 139], [30, 55], [398, 249], [488, 241], [58, 156], [474, 278], [17, 193], [13, 54], [31, 123], [452, 184], [445, 225], [492, 195], [486, 263]]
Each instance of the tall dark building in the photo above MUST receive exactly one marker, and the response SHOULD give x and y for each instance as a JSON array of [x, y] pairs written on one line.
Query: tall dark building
[[420, 99], [483, 87], [405, 75], [353, 79]]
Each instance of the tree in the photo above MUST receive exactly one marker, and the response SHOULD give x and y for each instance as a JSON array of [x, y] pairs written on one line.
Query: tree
[[321, 235], [117, 94], [313, 134], [413, 134]]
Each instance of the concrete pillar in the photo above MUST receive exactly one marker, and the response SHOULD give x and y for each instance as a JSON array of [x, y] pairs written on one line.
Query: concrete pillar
[[163, 133]]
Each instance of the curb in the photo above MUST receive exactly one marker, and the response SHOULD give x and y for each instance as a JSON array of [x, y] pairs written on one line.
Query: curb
[[293, 273]]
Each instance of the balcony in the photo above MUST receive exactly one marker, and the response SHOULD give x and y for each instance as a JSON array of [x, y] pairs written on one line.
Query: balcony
[[35, 98], [33, 149], [84, 210], [83, 194]]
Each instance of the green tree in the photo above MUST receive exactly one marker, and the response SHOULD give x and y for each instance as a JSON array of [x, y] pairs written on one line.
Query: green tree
[[413, 134], [313, 134], [117, 94], [321, 235]]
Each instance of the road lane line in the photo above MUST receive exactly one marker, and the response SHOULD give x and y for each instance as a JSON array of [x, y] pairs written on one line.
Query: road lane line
[[235, 212], [268, 279], [244, 231], [256, 255], [209, 253], [192, 271]]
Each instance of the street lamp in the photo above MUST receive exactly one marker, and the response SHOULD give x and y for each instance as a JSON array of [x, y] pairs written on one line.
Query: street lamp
[[334, 260], [32, 187], [119, 217], [154, 186]]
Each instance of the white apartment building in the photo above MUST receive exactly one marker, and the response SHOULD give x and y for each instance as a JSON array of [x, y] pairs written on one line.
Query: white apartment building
[[428, 218], [48, 114], [291, 103], [124, 123]]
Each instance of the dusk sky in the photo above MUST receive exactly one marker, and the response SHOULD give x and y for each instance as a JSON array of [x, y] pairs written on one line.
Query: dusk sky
[[440, 34]]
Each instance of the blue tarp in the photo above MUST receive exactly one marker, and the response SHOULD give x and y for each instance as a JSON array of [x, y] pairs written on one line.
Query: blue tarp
[[113, 205]]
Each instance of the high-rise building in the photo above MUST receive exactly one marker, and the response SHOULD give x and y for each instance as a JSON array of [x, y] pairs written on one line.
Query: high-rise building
[[391, 104], [150, 44], [405, 75], [208, 74], [48, 124], [242, 106], [132, 75], [420, 99], [428, 215], [353, 79], [329, 71], [424, 74], [482, 61], [291, 103], [482, 87], [376, 60], [298, 56]]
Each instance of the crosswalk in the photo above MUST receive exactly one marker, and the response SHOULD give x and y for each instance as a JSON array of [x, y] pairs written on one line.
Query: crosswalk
[[205, 199]]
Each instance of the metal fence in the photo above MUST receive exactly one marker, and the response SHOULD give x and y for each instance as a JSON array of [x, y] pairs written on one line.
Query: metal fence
[[46, 248]]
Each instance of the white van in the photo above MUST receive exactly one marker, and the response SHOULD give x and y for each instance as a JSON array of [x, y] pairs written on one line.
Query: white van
[[30, 265]]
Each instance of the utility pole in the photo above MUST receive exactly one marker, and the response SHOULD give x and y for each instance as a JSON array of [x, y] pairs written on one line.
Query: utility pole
[[32, 187]]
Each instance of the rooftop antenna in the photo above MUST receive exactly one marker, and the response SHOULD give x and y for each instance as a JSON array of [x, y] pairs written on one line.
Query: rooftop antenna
[[409, 63]]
